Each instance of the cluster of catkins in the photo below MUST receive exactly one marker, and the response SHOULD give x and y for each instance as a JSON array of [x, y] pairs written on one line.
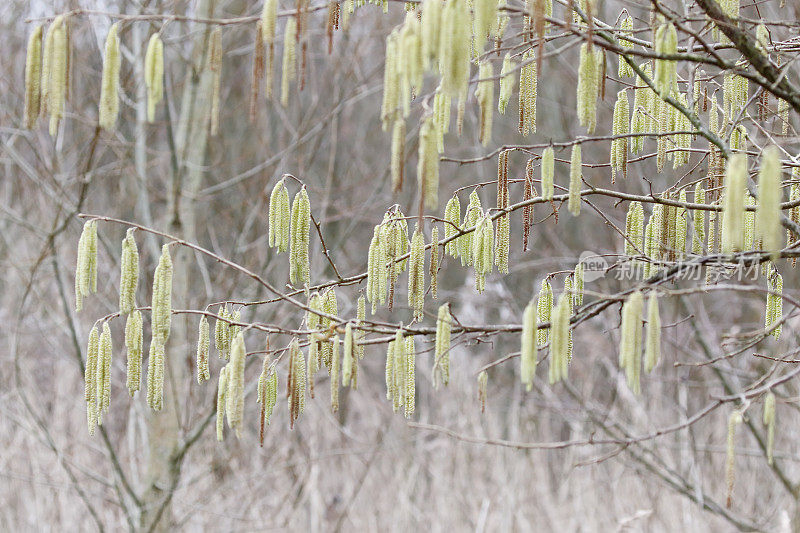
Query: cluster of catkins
[[289, 229], [100, 350], [47, 73]]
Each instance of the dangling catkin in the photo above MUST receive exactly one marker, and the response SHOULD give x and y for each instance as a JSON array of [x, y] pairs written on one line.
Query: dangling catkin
[[90, 377], [376, 270], [54, 71], [652, 351], [441, 360], [398, 154], [129, 273], [452, 220], [334, 370], [349, 360], [416, 274], [86, 267], [528, 350], [428, 164], [560, 339], [734, 420], [620, 129], [222, 388], [134, 343], [155, 375], [103, 377], [548, 168], [162, 297], [454, 48], [630, 344], [698, 221], [109, 88], [289, 69], [625, 30], [588, 83], [574, 202], [680, 226], [768, 418], [154, 74], [485, 96], [544, 307], [33, 78], [634, 227], [666, 42], [434, 264], [482, 251], [769, 199], [733, 204], [410, 384], [280, 218], [299, 238], [222, 339], [527, 94], [507, 83], [296, 383], [774, 302], [203, 345]]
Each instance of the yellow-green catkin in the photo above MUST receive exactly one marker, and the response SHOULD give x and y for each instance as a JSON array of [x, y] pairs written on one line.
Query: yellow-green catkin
[[620, 129], [280, 218], [441, 359], [398, 154], [574, 202], [560, 339], [484, 21], [698, 221], [416, 274], [544, 311], [109, 87], [361, 316], [222, 339], [410, 376], [483, 251], [54, 71], [483, 382], [749, 222], [376, 270], [734, 420], [203, 345], [630, 344], [472, 216], [391, 81], [269, 392], [90, 377], [269, 17], [155, 375], [154, 74], [428, 164], [529, 348], [768, 418], [578, 285], [434, 263], [222, 388], [452, 221], [33, 78], [681, 226], [103, 377], [652, 349], [485, 96], [774, 311], [299, 238], [588, 83], [634, 228], [334, 371], [234, 395], [507, 83], [625, 30], [349, 357], [770, 194], [162, 297], [86, 267], [527, 93], [431, 36], [733, 204], [666, 43], [548, 172], [134, 344], [129, 273], [289, 72], [454, 48]]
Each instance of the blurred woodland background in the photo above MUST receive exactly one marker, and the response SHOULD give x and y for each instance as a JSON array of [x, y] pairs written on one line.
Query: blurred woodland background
[[530, 462]]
